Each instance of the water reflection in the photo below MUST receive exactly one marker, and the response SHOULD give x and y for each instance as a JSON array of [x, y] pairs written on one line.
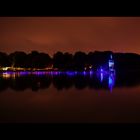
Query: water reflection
[[102, 76], [64, 80], [111, 81]]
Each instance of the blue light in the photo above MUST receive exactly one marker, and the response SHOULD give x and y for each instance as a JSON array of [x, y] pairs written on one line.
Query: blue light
[[84, 73], [111, 81], [101, 77], [101, 69], [24, 73], [75, 72], [91, 72], [69, 73]]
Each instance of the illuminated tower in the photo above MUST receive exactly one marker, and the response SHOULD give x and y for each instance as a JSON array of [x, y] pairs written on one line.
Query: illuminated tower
[[111, 64]]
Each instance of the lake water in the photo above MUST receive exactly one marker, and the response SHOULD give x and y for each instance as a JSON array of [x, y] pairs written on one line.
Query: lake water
[[69, 98]]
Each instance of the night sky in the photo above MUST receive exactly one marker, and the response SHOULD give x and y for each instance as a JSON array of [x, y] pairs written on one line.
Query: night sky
[[70, 34]]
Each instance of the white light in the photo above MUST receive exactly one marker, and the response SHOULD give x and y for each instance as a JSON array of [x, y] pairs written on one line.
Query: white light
[[5, 68], [90, 67]]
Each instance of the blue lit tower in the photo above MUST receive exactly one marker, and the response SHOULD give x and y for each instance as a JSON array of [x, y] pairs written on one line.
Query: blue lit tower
[[111, 64], [111, 80]]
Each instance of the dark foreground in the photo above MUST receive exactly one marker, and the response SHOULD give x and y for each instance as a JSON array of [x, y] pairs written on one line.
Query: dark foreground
[[84, 98]]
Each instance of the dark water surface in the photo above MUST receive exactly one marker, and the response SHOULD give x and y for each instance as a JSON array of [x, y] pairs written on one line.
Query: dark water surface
[[70, 97]]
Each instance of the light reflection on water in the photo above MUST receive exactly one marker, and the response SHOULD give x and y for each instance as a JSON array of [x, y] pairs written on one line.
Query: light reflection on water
[[111, 81], [69, 97], [81, 77]]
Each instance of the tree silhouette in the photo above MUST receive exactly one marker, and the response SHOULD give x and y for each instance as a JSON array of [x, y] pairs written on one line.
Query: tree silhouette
[[58, 60], [67, 61], [80, 59], [4, 61], [18, 59], [38, 60]]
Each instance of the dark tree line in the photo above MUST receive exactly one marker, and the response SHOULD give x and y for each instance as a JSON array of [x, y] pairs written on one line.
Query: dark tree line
[[68, 61]]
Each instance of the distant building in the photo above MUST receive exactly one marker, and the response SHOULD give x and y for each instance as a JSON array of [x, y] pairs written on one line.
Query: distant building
[[111, 64]]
